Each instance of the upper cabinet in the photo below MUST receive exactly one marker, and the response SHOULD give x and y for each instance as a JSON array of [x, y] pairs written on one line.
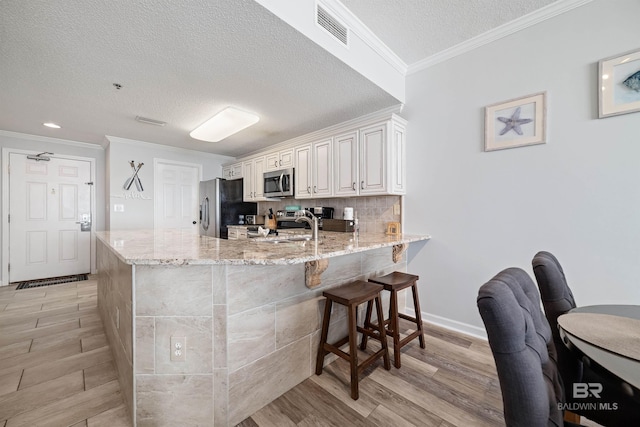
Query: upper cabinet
[[371, 160], [233, 171], [322, 168], [253, 184], [279, 159], [365, 158], [345, 164], [302, 176], [313, 170]]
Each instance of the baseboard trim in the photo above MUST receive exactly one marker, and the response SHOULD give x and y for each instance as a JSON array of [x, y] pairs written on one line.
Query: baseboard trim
[[454, 325]]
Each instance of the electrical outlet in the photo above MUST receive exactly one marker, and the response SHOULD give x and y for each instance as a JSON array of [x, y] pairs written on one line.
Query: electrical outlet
[[178, 349], [117, 318], [396, 209]]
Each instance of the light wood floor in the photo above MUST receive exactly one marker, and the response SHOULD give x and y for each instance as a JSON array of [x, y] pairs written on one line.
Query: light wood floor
[[56, 367], [453, 382]]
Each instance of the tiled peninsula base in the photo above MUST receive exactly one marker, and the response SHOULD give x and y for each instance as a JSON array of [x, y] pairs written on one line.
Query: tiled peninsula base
[[251, 331]]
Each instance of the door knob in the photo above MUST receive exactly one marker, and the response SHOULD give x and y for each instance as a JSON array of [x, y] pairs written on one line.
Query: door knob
[[194, 223]]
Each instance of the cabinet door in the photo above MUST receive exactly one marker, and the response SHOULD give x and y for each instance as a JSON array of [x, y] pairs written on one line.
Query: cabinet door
[[247, 184], [373, 170], [272, 160], [236, 172], [322, 171], [286, 158], [398, 160], [258, 179], [345, 158], [226, 172], [303, 172]]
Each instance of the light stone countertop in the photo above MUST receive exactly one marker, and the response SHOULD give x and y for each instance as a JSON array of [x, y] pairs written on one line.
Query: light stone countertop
[[176, 247]]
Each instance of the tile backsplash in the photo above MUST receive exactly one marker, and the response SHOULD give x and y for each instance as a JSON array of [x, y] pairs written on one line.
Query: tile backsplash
[[373, 212]]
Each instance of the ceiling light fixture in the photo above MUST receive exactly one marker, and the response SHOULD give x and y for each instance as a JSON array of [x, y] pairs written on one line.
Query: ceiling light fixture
[[52, 125], [224, 124]]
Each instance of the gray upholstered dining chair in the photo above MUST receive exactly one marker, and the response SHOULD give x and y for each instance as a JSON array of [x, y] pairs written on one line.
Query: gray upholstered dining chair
[[522, 346], [558, 299]]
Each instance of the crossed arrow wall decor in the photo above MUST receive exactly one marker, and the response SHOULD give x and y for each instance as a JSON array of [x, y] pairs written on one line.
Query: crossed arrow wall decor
[[134, 178]]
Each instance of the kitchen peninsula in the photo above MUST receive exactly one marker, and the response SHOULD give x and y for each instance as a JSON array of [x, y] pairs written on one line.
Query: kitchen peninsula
[[206, 331]]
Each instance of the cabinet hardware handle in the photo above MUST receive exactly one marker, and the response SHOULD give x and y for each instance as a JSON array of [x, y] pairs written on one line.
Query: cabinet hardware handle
[[194, 223], [315, 189], [362, 185], [280, 162], [353, 187], [309, 190]]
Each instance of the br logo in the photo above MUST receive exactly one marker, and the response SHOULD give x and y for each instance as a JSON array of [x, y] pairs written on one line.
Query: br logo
[[584, 390]]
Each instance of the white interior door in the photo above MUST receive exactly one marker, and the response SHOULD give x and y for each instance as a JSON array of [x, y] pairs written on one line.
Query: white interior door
[[47, 200], [176, 195]]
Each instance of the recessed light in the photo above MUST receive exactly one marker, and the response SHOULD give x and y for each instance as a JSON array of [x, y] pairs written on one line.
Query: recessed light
[[224, 124], [52, 125]]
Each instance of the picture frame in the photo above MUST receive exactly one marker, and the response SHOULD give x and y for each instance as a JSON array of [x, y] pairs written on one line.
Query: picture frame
[[619, 84], [516, 123]]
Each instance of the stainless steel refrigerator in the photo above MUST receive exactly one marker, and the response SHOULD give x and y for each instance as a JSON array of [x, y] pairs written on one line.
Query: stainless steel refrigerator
[[221, 205]]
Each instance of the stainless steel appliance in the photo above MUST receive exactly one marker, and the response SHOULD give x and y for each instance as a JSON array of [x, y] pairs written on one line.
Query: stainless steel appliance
[[221, 205], [278, 183], [255, 219]]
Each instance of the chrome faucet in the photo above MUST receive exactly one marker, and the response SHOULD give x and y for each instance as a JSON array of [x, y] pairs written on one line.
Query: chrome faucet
[[313, 222]]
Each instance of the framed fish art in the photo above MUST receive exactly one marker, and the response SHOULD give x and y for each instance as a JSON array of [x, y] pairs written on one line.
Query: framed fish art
[[516, 123], [619, 84]]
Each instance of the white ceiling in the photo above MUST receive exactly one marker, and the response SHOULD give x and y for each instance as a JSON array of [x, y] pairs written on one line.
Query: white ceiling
[[417, 29], [183, 61]]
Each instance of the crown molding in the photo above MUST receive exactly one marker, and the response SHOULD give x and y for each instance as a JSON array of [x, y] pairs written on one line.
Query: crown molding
[[361, 121], [49, 139], [364, 33], [533, 18]]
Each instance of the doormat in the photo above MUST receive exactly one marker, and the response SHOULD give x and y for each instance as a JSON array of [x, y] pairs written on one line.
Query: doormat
[[51, 281]]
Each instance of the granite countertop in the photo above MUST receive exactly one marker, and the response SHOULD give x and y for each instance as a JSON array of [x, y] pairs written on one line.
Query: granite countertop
[[176, 247]]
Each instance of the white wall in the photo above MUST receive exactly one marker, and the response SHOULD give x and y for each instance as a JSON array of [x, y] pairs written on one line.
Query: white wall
[[577, 196], [138, 206], [39, 144]]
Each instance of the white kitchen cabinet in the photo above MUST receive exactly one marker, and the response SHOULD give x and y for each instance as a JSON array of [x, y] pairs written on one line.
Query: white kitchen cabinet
[[253, 185], [373, 157], [233, 171], [345, 164], [313, 164], [371, 160], [279, 159], [322, 168], [303, 166]]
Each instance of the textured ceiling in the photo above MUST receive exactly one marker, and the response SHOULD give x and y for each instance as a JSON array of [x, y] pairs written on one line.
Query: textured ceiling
[[177, 61], [183, 61], [416, 29]]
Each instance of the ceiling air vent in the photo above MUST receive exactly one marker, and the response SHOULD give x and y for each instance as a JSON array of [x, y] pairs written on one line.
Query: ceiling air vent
[[332, 25]]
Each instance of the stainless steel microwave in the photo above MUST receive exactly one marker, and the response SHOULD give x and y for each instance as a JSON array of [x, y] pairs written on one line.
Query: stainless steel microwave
[[278, 183]]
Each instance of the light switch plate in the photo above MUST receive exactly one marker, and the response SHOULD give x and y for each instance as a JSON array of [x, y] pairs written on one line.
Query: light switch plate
[[178, 349]]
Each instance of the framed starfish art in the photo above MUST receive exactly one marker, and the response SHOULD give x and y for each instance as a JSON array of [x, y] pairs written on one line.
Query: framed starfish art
[[619, 84], [516, 123]]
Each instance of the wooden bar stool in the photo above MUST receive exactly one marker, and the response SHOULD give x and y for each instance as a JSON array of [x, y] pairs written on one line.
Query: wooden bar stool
[[395, 282], [351, 296]]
